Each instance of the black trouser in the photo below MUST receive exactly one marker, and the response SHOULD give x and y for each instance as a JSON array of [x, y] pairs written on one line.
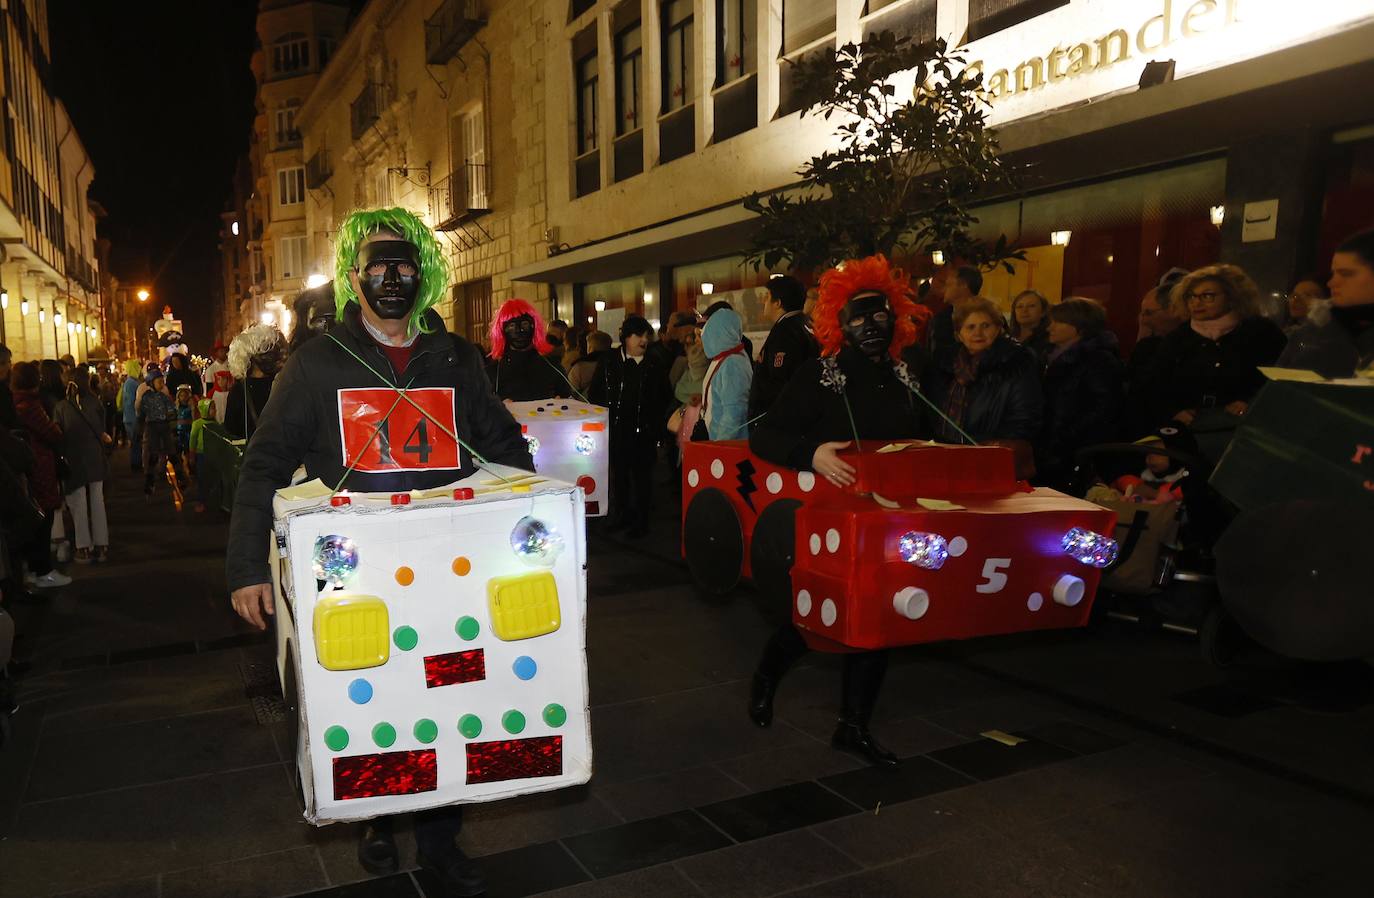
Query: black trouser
[[159, 443], [435, 829], [38, 550], [863, 672], [632, 478]]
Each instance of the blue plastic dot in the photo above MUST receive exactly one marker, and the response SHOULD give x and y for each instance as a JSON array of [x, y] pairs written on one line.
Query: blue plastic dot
[[360, 691], [525, 668]]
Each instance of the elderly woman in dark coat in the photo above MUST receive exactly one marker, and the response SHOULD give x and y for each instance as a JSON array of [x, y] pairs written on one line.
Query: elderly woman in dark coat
[[1083, 388], [81, 415], [45, 440], [864, 320]]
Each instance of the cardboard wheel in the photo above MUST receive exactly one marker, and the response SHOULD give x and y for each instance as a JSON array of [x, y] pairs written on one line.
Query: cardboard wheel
[[291, 696], [773, 549], [1295, 576], [714, 542]]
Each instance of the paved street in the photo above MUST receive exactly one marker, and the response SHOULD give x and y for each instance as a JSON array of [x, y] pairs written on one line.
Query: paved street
[[148, 757]]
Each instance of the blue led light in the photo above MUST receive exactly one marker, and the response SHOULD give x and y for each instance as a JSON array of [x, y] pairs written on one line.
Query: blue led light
[[585, 444], [1087, 547], [927, 550], [336, 559]]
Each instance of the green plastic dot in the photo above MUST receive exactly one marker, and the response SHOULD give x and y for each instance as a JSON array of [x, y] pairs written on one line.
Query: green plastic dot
[[405, 638], [426, 730], [384, 734], [555, 715], [468, 628], [470, 725], [336, 738], [513, 721]]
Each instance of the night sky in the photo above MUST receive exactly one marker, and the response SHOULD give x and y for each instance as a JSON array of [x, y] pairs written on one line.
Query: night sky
[[162, 97]]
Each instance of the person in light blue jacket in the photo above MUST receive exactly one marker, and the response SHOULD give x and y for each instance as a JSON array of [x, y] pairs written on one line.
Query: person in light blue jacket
[[725, 389]]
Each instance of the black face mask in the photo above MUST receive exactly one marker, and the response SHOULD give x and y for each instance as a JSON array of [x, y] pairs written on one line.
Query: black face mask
[[519, 332], [389, 275], [867, 324]]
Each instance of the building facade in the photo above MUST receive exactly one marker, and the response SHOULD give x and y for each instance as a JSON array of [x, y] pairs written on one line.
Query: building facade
[[50, 291], [1240, 146]]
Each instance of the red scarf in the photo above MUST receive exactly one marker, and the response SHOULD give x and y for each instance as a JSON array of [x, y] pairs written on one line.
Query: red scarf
[[738, 347]]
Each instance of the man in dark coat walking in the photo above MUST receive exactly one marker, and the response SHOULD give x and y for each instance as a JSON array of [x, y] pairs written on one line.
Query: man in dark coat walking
[[790, 343]]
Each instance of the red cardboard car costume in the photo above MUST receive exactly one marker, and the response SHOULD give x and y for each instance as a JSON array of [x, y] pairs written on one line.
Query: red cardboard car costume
[[898, 542]]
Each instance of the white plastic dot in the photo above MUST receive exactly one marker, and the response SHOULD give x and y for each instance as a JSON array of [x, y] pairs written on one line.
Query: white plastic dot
[[832, 540], [693, 478], [828, 612], [803, 603], [806, 480], [1035, 601], [774, 483], [1069, 590], [717, 468], [957, 546], [911, 603], [815, 544]]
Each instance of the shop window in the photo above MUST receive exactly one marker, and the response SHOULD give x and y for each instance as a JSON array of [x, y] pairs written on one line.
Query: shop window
[[608, 302], [914, 19], [700, 284], [805, 22], [736, 39], [679, 60], [991, 16]]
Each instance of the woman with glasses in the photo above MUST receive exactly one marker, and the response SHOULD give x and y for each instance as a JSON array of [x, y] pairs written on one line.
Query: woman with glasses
[[1209, 370]]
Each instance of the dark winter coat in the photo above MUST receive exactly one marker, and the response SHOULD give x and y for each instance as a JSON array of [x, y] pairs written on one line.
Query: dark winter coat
[[789, 346], [523, 376], [1339, 347], [247, 399], [638, 395], [177, 377], [1083, 389], [1039, 342], [811, 409], [82, 423], [301, 425], [45, 439], [1194, 372], [1005, 400]]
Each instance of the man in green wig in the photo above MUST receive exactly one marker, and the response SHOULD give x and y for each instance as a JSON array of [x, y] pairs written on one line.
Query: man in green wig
[[329, 410]]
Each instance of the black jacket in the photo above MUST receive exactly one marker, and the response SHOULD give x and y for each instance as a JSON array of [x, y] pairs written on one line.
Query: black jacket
[[1083, 388], [810, 412], [301, 423], [1193, 372], [1337, 348], [638, 395], [240, 416], [177, 377], [1039, 342], [523, 376], [789, 346], [1004, 402]]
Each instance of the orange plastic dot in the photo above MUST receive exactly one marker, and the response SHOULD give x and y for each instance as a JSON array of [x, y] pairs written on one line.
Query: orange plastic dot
[[404, 575], [461, 566]]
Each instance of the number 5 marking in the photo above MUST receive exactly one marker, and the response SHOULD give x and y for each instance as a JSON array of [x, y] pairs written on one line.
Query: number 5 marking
[[993, 577]]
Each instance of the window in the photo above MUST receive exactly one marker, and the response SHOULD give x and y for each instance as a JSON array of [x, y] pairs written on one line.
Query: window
[[629, 61], [291, 185], [476, 300], [468, 150], [291, 54], [991, 16], [286, 124], [291, 256], [914, 19], [806, 21], [736, 52], [327, 47], [578, 7], [586, 104], [381, 187], [678, 58]]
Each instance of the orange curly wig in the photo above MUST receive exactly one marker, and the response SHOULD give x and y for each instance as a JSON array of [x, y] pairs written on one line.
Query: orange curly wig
[[856, 276]]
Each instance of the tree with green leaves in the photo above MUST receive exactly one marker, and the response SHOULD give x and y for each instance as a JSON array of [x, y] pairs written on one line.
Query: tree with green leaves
[[906, 170]]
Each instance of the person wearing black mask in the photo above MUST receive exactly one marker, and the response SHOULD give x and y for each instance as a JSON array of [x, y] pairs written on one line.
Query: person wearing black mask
[[518, 365], [634, 386], [314, 311], [859, 388]]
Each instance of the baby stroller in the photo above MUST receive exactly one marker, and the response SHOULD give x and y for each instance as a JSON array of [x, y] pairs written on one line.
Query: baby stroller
[[1165, 576]]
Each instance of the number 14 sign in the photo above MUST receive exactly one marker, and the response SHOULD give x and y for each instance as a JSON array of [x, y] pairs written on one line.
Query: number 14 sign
[[407, 439]]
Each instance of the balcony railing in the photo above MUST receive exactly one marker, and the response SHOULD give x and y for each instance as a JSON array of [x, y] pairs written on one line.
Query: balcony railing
[[460, 197], [451, 26], [80, 270], [288, 138], [318, 170], [367, 108]]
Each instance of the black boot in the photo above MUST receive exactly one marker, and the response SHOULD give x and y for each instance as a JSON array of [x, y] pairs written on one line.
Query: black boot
[[437, 851], [784, 648], [377, 848], [863, 677]]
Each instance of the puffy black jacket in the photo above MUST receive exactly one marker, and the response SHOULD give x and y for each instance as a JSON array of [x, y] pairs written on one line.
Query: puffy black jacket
[[638, 395], [1004, 402], [302, 423], [1195, 372], [1083, 388], [523, 376], [1337, 347]]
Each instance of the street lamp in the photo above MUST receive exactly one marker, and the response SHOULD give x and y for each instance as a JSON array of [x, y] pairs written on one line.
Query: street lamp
[[143, 295]]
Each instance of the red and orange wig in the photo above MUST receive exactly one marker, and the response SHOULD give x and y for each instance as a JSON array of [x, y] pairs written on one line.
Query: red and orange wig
[[871, 275], [514, 308]]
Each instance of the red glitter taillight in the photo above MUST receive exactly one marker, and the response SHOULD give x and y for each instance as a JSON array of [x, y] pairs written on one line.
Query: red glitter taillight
[[386, 773], [455, 667], [514, 759]]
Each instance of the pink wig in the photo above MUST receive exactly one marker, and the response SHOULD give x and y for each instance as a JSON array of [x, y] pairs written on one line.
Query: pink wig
[[514, 308]]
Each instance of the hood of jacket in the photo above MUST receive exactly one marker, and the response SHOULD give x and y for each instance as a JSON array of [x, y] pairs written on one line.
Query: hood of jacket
[[133, 368], [722, 332]]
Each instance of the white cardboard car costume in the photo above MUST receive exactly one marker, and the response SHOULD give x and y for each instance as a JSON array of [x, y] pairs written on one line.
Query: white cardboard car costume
[[569, 441], [432, 644]]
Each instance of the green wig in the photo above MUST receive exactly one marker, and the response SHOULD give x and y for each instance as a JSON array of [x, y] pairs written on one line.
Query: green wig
[[363, 223]]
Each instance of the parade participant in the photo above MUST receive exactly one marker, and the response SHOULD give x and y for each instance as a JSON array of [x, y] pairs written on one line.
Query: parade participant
[[314, 313], [518, 365], [157, 416], [179, 374], [725, 387], [255, 357], [858, 388], [219, 361], [790, 344], [390, 275], [128, 393]]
